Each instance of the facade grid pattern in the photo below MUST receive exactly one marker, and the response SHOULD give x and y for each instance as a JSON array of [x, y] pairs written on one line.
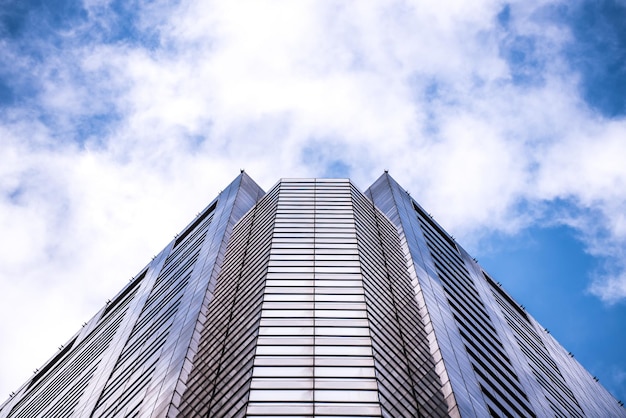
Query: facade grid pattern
[[496, 365], [312, 300], [314, 355], [409, 384]]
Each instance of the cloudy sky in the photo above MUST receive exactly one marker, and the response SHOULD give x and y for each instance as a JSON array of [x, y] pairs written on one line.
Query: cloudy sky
[[120, 120]]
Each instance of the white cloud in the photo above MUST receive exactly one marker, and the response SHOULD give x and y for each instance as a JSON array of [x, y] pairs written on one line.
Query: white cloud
[[610, 288], [420, 88]]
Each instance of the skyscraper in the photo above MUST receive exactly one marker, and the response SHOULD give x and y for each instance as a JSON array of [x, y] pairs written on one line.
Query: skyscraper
[[313, 299]]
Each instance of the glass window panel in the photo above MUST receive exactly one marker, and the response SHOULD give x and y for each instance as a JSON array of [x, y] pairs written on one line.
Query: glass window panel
[[333, 350], [330, 290], [342, 361], [347, 409], [281, 395], [342, 340], [286, 313], [285, 275], [346, 313], [304, 256], [283, 289], [279, 265], [286, 331], [338, 298], [292, 240], [336, 251], [289, 282], [336, 270], [283, 360], [281, 383], [338, 283], [288, 305], [271, 340], [365, 372], [295, 227], [330, 241], [358, 384], [289, 371], [335, 245], [288, 322], [323, 274], [341, 322], [339, 306], [326, 259], [270, 409], [293, 245], [342, 395], [350, 331], [276, 350], [302, 297]]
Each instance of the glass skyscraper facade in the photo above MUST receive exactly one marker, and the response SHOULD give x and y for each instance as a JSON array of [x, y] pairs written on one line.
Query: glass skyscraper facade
[[312, 299]]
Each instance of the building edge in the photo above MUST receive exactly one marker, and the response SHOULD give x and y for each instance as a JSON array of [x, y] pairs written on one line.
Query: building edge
[[229, 205], [531, 373], [586, 395]]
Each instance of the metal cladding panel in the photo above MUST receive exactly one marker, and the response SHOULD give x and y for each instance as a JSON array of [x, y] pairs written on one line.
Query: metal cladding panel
[[127, 358], [219, 374], [593, 398], [499, 360], [406, 367], [312, 300], [559, 398], [444, 340], [237, 199], [314, 354], [332, 327]]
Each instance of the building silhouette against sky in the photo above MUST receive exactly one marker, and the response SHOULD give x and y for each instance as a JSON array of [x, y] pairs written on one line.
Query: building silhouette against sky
[[313, 299]]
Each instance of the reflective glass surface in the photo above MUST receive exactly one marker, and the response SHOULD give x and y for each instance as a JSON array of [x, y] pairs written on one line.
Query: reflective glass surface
[[312, 299]]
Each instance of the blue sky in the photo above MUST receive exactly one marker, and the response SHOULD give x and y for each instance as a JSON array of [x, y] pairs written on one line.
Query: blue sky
[[506, 120]]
